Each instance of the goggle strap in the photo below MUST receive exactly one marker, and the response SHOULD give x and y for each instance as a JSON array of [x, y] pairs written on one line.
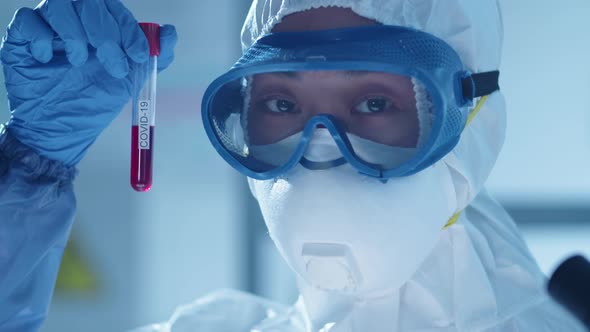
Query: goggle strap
[[480, 84]]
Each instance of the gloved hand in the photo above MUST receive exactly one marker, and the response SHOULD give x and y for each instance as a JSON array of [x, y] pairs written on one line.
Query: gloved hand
[[68, 68]]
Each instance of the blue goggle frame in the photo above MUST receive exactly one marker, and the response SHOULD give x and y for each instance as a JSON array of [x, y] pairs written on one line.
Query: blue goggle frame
[[390, 49]]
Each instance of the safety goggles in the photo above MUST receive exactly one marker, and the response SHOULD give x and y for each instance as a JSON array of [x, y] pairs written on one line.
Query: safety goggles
[[388, 100]]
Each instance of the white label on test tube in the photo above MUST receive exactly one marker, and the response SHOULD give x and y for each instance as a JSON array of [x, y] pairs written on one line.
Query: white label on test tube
[[144, 115]]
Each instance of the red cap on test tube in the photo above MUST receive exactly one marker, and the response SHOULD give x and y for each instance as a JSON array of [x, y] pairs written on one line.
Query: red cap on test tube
[[152, 32]]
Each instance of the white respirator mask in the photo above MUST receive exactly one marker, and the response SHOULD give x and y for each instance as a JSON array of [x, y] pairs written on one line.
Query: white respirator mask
[[345, 232]]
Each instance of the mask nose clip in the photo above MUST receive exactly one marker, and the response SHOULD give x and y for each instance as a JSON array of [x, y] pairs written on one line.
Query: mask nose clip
[[322, 152], [317, 166]]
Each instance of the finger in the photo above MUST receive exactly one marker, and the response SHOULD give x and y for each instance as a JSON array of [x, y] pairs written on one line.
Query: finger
[[100, 27], [28, 27], [103, 34], [42, 50], [62, 18], [168, 40], [134, 41], [114, 60]]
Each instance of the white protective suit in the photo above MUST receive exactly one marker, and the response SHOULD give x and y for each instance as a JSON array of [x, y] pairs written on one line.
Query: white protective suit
[[480, 276]]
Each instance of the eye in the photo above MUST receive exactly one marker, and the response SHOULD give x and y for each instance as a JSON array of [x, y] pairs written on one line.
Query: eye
[[373, 105], [280, 106]]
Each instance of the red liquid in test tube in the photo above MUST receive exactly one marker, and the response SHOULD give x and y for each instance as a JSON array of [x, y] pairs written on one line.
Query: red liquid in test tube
[[144, 113], [141, 159]]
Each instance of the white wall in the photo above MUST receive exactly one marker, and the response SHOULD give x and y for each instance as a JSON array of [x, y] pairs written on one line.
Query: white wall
[[545, 77]]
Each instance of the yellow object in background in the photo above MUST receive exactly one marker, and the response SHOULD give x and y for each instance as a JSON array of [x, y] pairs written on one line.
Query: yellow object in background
[[75, 275]]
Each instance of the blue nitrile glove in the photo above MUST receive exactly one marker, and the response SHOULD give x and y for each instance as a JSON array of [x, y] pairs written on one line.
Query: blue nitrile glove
[[67, 66]]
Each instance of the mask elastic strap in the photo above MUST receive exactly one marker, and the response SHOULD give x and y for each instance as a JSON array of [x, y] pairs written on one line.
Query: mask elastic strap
[[455, 217], [476, 109], [453, 220]]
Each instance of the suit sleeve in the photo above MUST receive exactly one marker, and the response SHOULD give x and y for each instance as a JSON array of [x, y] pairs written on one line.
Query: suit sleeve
[[37, 207]]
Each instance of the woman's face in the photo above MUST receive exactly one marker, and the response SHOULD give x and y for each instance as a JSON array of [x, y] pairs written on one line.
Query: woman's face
[[373, 105]]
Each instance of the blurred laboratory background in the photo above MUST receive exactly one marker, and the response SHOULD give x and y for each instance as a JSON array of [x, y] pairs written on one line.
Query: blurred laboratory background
[[134, 257]]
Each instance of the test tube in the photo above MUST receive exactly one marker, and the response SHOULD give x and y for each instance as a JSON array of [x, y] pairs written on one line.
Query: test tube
[[144, 112]]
